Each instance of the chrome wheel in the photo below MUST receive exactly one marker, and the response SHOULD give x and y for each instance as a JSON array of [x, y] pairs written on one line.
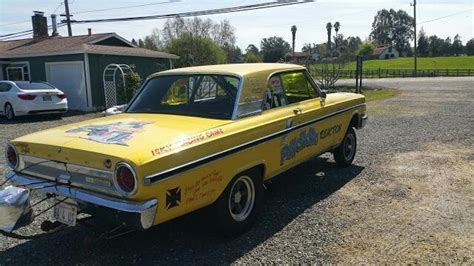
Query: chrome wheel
[[9, 112], [348, 147], [242, 198]]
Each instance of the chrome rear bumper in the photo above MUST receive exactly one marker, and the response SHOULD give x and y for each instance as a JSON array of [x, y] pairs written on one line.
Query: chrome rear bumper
[[143, 213]]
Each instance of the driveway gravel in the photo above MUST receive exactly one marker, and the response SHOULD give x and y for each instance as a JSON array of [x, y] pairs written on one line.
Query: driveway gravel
[[408, 198]]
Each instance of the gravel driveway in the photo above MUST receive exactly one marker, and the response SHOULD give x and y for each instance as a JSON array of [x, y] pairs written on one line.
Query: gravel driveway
[[408, 198]]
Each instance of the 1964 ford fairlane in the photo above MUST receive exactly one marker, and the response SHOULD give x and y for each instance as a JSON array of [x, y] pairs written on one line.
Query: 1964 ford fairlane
[[191, 138]]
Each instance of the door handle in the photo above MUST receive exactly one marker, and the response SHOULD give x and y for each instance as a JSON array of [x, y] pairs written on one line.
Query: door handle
[[297, 111]]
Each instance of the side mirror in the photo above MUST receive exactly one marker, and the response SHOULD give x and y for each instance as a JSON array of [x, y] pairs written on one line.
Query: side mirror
[[323, 97]]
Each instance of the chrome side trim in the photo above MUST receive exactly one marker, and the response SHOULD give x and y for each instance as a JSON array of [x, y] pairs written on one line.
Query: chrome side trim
[[163, 175], [146, 209]]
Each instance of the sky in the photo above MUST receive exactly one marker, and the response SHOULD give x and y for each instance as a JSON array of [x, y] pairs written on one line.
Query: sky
[[444, 18]]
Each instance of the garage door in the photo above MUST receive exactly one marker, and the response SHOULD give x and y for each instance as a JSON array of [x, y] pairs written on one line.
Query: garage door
[[69, 77]]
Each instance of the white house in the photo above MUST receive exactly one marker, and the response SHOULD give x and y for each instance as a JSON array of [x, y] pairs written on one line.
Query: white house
[[385, 52]]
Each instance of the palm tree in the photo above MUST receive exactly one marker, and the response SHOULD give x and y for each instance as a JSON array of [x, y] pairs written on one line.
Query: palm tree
[[337, 26], [293, 36], [329, 29]]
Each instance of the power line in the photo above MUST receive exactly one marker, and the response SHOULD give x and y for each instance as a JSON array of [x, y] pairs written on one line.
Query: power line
[[124, 7], [56, 9], [202, 12], [25, 33], [447, 16]]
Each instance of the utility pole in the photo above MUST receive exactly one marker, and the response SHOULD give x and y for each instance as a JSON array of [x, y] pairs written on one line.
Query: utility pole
[[414, 25], [68, 18]]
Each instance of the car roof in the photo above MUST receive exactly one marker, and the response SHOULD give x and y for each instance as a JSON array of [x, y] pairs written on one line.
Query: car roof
[[232, 69]]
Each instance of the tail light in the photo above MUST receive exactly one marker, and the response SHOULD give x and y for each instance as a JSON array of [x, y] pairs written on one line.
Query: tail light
[[12, 156], [125, 178], [61, 95], [26, 97]]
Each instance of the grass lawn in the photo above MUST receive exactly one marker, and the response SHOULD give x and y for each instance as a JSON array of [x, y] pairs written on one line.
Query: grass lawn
[[453, 62], [370, 94]]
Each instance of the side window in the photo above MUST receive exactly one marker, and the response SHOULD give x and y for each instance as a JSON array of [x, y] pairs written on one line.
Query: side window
[[4, 87], [274, 95], [178, 92], [297, 87]]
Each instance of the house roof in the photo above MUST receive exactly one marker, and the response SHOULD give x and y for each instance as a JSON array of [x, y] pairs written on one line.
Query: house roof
[[380, 50], [301, 54], [59, 45]]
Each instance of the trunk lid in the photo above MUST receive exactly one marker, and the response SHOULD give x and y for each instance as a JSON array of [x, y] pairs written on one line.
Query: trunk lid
[[113, 137]]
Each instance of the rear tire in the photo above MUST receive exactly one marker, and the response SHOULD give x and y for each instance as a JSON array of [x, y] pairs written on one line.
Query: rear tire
[[345, 153], [9, 112], [237, 208]]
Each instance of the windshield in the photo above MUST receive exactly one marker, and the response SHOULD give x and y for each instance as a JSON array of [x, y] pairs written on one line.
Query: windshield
[[209, 95], [26, 85]]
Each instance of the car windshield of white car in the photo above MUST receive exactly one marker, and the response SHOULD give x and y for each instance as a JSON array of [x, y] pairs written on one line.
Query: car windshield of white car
[[207, 95], [26, 85]]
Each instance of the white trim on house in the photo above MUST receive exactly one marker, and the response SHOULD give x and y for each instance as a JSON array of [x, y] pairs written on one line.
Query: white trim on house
[[87, 72], [27, 63], [80, 52], [113, 35]]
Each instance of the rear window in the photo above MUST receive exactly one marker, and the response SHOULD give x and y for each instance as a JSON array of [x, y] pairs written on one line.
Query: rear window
[[34, 85]]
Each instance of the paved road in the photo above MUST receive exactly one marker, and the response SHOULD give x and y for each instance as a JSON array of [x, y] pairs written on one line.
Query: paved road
[[408, 198]]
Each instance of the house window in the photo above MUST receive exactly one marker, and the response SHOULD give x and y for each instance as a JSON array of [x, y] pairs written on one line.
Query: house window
[[18, 72], [389, 49]]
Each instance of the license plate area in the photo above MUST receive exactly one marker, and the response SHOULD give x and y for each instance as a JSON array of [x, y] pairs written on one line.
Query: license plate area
[[47, 98], [66, 213]]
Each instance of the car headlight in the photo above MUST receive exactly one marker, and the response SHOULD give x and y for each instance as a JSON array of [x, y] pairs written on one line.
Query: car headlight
[[125, 178], [11, 155]]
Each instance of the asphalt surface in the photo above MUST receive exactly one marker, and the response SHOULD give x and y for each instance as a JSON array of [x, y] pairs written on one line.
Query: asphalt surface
[[408, 198]]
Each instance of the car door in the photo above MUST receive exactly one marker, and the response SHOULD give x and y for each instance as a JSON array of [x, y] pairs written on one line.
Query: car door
[[4, 94], [303, 98]]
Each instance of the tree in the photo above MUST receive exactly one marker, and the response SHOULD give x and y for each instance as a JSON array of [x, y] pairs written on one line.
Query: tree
[[195, 50], [393, 28], [252, 58], [457, 47], [134, 42], [423, 48], [436, 45], [329, 29], [337, 26], [366, 50], [353, 44], [149, 43], [141, 44], [251, 49], [446, 48], [470, 47], [293, 37], [274, 49]]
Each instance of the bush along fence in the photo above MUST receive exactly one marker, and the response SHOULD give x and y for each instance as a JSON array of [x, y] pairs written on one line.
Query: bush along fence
[[399, 73]]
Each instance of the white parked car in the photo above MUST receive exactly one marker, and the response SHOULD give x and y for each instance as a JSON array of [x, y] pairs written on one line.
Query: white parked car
[[19, 98]]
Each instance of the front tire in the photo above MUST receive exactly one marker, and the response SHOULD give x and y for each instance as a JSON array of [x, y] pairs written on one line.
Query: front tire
[[9, 112], [345, 153], [237, 207]]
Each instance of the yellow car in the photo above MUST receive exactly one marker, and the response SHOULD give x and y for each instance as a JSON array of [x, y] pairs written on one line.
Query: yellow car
[[192, 137]]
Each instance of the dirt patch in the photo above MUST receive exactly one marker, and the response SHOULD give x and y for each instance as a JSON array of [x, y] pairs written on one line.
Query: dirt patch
[[421, 212]]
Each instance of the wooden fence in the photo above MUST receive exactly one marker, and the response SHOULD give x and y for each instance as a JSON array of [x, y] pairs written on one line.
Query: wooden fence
[[400, 73]]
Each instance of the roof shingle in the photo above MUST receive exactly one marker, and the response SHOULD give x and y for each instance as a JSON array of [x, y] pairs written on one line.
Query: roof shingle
[[71, 45]]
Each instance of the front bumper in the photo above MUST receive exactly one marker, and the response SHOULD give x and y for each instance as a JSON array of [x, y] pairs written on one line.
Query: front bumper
[[137, 214]]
